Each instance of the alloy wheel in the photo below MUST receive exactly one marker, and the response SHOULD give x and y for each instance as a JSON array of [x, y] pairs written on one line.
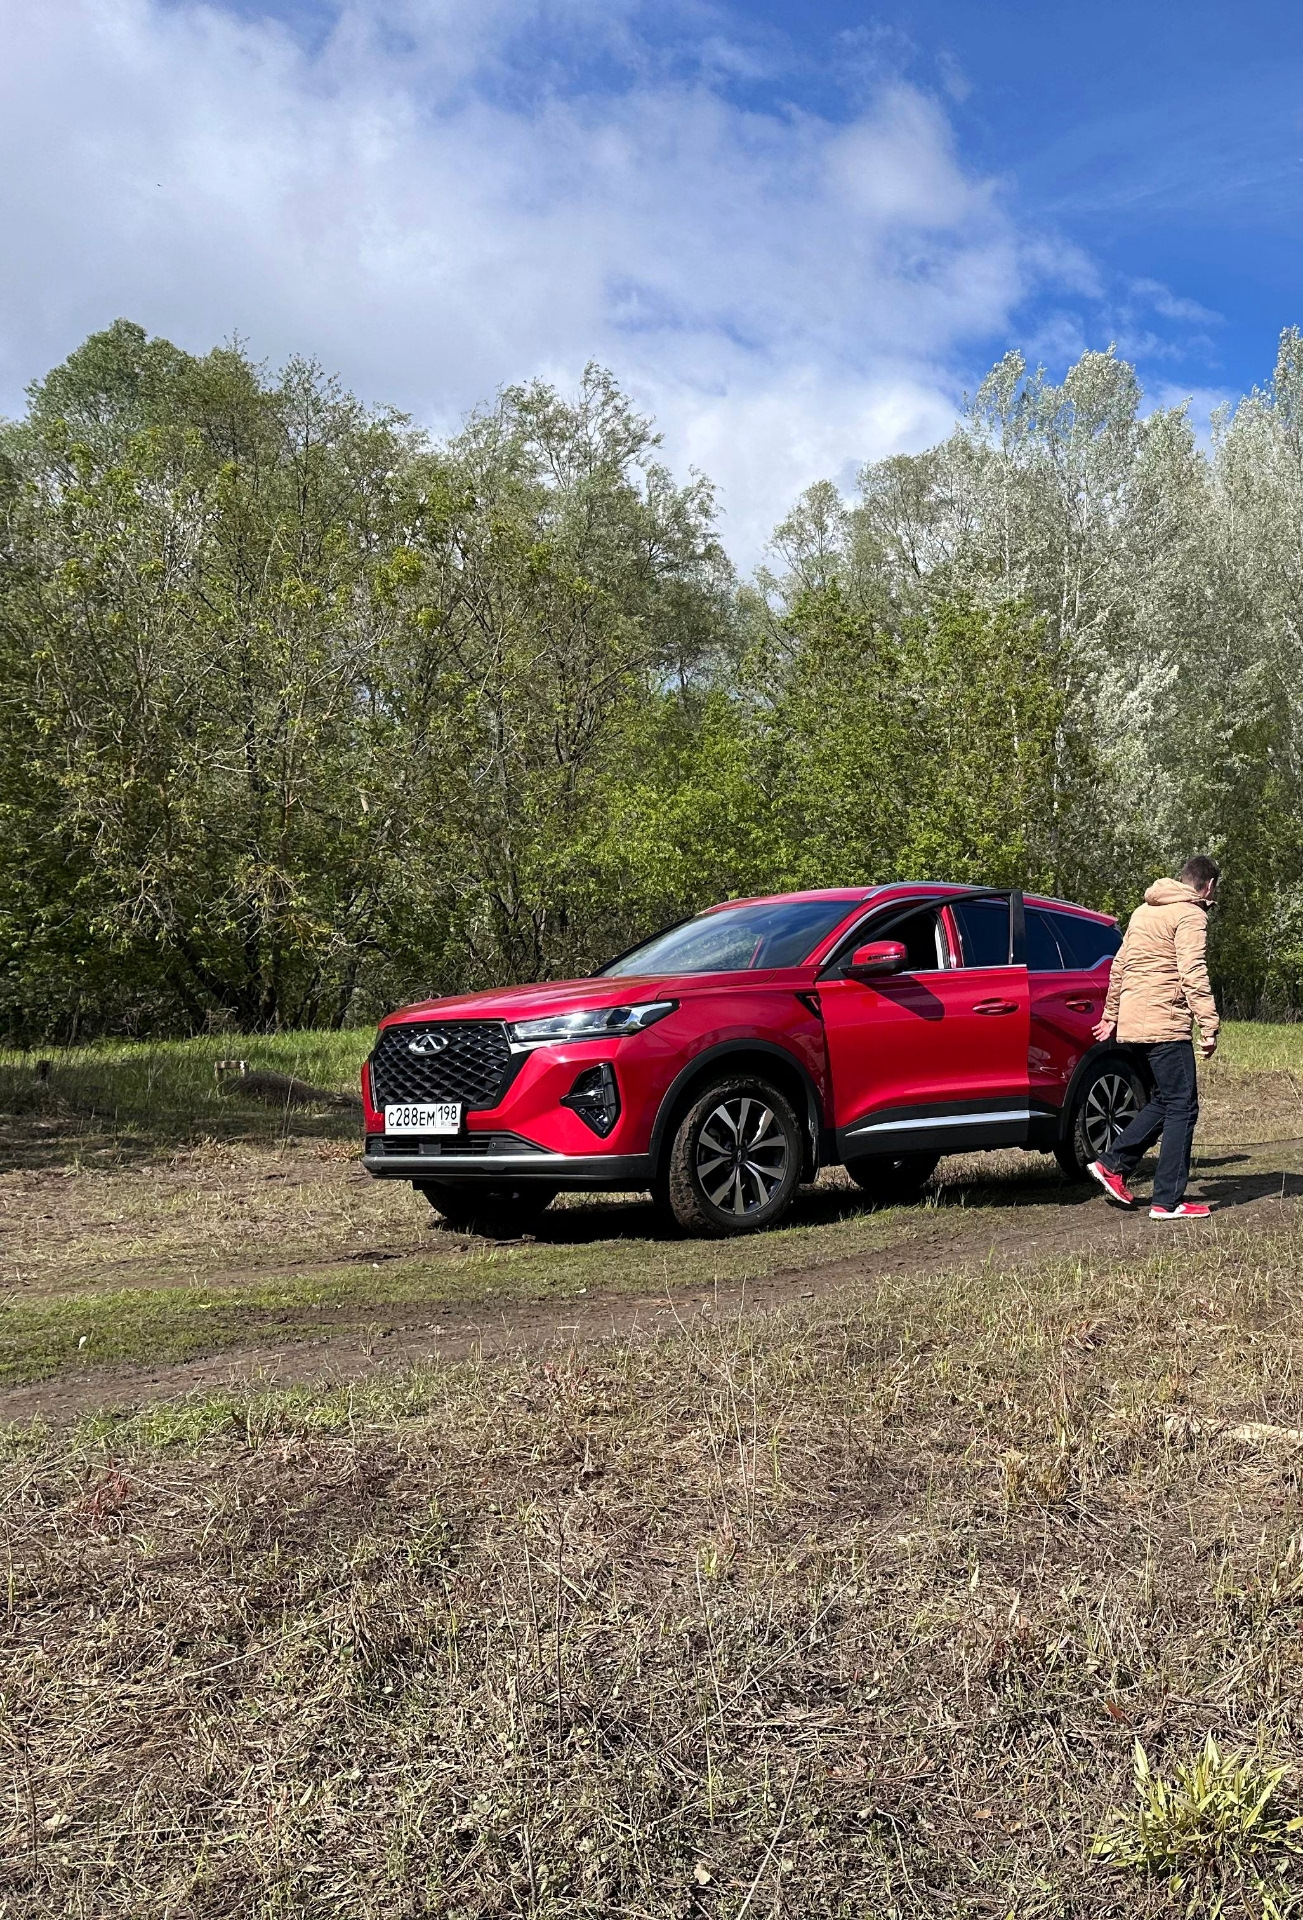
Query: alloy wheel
[[1110, 1107], [742, 1155]]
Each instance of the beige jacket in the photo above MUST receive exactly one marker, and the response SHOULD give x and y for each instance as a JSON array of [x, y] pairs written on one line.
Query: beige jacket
[[1160, 976]]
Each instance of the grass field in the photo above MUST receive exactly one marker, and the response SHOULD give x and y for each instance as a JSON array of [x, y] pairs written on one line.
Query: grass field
[[860, 1605], [140, 1095], [147, 1212], [133, 1094], [857, 1611]]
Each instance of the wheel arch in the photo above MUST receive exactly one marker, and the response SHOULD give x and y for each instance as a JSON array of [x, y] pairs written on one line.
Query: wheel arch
[[775, 1063], [1098, 1056]]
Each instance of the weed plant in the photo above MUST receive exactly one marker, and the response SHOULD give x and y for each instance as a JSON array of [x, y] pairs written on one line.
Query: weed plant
[[1221, 1820]]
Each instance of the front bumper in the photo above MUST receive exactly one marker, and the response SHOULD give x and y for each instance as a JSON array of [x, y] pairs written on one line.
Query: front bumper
[[505, 1157]]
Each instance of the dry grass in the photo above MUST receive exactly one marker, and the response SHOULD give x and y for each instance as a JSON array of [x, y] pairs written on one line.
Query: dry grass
[[377, 1260], [859, 1608], [855, 1611], [123, 1255], [206, 1209]]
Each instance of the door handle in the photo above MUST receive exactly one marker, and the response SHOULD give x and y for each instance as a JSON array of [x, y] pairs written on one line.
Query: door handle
[[1080, 1006], [996, 1006]]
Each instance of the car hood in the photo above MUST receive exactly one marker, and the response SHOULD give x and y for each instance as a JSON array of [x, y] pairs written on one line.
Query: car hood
[[557, 996]]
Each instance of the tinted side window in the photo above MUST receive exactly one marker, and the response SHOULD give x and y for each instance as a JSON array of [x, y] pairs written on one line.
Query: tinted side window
[[1043, 954], [984, 932], [1085, 942]]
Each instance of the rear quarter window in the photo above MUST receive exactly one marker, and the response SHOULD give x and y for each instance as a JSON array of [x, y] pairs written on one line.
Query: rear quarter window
[[1085, 942], [1043, 954]]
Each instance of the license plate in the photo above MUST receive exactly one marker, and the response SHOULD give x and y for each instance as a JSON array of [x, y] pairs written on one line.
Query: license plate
[[445, 1117]]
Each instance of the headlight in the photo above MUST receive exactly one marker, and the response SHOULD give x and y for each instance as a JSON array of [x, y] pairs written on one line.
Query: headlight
[[592, 1023]]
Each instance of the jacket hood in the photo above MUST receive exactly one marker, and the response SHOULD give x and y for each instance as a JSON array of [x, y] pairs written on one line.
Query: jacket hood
[[1171, 893]]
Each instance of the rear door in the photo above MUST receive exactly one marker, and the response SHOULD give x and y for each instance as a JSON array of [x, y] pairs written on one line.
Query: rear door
[[991, 935], [934, 1058], [1066, 1001], [1067, 1008]]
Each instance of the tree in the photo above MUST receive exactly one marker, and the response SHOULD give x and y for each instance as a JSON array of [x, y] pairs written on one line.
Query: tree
[[299, 707], [303, 714]]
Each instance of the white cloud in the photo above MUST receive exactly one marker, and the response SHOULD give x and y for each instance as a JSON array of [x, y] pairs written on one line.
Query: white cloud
[[436, 200], [1172, 306]]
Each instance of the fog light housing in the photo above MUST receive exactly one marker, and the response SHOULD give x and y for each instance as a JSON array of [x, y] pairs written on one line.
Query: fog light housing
[[595, 1097]]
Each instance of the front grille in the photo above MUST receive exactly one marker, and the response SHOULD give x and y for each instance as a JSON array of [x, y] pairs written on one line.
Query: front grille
[[475, 1067]]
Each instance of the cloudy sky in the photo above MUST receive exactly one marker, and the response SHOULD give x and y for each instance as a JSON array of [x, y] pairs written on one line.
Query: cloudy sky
[[797, 230]]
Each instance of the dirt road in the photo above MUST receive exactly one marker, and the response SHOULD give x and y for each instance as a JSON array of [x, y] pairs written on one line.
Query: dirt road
[[1011, 1223]]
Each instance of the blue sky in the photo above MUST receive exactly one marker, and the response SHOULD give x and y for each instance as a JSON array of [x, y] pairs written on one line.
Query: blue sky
[[797, 232]]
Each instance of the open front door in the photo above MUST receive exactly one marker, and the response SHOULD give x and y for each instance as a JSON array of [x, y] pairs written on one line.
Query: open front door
[[934, 1058]]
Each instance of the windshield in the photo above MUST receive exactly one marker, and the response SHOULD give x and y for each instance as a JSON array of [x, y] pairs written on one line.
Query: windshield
[[736, 939]]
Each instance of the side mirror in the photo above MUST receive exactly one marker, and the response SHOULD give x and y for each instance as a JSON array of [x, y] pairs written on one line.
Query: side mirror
[[879, 957]]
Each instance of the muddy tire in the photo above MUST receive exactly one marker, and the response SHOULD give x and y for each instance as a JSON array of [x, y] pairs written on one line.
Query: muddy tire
[[893, 1179], [1107, 1101], [500, 1210], [735, 1160]]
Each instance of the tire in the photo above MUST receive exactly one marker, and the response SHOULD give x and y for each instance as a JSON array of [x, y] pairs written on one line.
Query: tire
[[893, 1179], [1108, 1100], [499, 1209], [735, 1161]]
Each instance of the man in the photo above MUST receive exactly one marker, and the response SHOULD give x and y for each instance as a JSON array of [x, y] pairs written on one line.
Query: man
[[1158, 988]]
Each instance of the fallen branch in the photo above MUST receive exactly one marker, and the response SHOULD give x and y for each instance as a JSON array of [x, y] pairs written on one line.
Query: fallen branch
[[1181, 1429], [277, 1089]]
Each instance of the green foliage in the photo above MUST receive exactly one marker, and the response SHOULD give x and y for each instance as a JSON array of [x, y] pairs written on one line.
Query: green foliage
[[191, 643], [304, 715], [1221, 1813]]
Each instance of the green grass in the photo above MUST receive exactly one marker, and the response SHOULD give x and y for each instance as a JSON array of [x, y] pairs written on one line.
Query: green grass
[[1256, 1046], [1221, 1809], [163, 1094], [167, 1092]]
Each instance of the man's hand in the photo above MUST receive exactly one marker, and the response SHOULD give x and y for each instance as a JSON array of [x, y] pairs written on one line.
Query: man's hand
[[1105, 1030], [1208, 1047]]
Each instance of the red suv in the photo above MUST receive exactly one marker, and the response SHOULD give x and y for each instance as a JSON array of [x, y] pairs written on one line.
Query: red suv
[[723, 1062]]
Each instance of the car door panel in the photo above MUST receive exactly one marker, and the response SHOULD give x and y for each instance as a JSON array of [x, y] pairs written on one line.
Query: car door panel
[[1065, 1005], [1064, 1008], [933, 1060]]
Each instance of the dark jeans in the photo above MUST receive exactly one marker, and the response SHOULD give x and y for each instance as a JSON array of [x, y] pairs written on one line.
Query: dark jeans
[[1172, 1111]]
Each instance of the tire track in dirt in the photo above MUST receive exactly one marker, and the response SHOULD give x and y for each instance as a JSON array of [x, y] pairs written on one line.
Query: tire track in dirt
[[385, 1338]]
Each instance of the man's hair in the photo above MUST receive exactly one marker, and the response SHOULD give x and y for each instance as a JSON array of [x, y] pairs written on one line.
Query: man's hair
[[1199, 869]]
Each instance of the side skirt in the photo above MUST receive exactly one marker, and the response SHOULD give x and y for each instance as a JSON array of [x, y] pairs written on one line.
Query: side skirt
[[948, 1129]]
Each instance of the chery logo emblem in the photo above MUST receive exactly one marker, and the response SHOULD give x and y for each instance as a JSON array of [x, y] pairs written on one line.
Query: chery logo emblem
[[428, 1043]]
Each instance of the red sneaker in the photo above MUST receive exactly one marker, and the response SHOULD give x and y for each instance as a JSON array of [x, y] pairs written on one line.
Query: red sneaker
[[1187, 1210], [1113, 1184]]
